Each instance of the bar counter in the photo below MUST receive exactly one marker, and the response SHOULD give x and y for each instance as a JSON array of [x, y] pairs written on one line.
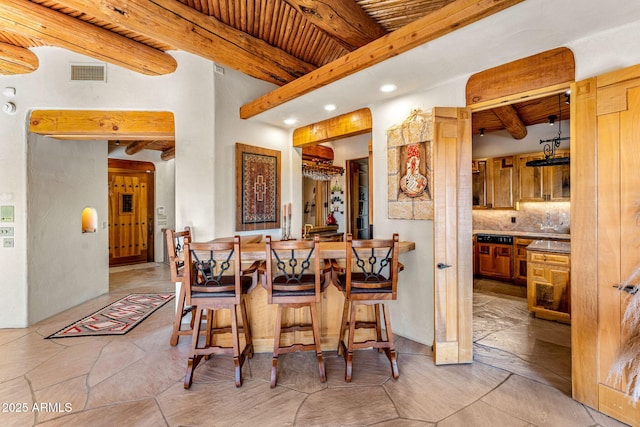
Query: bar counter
[[262, 315]]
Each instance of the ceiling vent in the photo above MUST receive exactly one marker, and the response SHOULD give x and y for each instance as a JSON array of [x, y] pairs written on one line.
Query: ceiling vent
[[88, 72]]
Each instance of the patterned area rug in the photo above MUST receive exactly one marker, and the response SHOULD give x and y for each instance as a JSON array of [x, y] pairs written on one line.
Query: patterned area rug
[[117, 318]]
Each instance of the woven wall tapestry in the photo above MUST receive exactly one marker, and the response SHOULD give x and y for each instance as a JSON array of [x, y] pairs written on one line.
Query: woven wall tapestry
[[257, 188]]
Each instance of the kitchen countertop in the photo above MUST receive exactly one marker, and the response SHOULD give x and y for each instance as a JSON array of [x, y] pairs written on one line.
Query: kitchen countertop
[[533, 234], [550, 246]]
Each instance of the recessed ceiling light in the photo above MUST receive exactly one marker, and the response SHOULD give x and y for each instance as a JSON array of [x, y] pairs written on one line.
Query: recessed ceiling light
[[330, 107], [389, 87], [290, 121]]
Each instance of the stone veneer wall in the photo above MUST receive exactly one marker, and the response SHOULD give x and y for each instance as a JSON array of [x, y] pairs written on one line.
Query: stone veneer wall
[[530, 217]]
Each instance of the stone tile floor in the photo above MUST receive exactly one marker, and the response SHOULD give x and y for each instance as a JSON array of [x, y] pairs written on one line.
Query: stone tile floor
[[520, 377]]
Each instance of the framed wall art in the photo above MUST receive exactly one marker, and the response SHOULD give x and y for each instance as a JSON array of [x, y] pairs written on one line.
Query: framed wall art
[[257, 188]]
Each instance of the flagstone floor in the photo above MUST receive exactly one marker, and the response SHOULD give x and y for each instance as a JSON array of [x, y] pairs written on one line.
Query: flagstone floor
[[520, 376]]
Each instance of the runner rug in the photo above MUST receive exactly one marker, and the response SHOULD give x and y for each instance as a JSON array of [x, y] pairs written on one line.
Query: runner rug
[[117, 318]]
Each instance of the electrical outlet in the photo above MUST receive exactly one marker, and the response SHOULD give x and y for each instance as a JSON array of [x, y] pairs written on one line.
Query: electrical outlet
[[513, 219], [7, 242], [6, 231]]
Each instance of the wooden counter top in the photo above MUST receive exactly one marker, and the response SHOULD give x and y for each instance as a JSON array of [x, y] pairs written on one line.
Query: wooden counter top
[[256, 251]]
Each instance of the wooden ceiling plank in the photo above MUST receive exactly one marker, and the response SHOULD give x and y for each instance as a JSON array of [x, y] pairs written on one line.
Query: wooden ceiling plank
[[342, 126], [343, 20], [443, 21], [17, 60], [187, 29], [511, 120], [29, 19], [104, 124]]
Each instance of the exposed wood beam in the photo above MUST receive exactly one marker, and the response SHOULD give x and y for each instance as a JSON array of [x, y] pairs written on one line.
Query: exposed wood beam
[[17, 60], [57, 29], [510, 119], [136, 146], [343, 20], [343, 126], [82, 124], [168, 154], [505, 83], [178, 25], [443, 21]]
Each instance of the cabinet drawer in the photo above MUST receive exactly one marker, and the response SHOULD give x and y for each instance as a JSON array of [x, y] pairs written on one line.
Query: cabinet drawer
[[549, 258]]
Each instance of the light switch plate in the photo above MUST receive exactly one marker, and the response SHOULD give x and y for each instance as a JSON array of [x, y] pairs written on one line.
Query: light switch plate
[[7, 242], [6, 213]]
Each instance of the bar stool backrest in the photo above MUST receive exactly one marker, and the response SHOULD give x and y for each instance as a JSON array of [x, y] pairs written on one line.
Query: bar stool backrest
[[372, 267], [175, 247], [216, 270], [293, 269]]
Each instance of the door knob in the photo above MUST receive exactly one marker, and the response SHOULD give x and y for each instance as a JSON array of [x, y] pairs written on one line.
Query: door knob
[[442, 266]]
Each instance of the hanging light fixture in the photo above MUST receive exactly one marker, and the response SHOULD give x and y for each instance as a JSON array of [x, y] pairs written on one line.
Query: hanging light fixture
[[482, 131], [551, 145]]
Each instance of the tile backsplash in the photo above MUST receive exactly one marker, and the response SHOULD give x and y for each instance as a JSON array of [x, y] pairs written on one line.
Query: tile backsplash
[[549, 217]]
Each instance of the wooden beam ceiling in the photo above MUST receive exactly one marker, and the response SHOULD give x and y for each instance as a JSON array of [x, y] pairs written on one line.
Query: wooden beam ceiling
[[16, 60], [57, 29], [443, 21], [171, 22], [343, 20]]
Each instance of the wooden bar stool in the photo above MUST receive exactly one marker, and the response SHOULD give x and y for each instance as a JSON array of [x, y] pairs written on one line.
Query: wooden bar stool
[[216, 281], [294, 278], [370, 277], [175, 246]]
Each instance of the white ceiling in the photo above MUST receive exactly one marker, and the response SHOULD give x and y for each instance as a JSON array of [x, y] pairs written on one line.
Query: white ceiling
[[525, 29]]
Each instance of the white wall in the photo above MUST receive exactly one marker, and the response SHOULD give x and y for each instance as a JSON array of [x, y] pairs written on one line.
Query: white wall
[[412, 313], [187, 93], [65, 266], [234, 89]]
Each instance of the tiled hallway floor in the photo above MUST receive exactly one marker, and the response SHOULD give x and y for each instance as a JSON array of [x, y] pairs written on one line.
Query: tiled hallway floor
[[520, 377]]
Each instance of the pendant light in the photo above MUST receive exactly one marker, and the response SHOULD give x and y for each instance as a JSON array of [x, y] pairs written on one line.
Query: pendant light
[[551, 145]]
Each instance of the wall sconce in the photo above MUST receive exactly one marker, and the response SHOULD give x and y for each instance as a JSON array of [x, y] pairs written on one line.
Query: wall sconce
[[482, 131], [552, 119]]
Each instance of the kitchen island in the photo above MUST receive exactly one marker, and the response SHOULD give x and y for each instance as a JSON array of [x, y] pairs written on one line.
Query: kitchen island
[[548, 280]]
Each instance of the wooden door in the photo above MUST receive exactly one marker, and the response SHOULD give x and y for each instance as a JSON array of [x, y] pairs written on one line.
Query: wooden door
[[452, 198], [605, 155], [130, 212]]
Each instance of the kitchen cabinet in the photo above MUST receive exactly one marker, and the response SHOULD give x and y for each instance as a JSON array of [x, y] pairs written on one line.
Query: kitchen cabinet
[[520, 259], [548, 284], [479, 183], [494, 260], [539, 184], [503, 182]]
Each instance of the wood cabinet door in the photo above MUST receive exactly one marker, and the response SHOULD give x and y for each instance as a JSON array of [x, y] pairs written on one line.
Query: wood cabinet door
[[530, 179], [558, 182], [503, 179], [605, 112]]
